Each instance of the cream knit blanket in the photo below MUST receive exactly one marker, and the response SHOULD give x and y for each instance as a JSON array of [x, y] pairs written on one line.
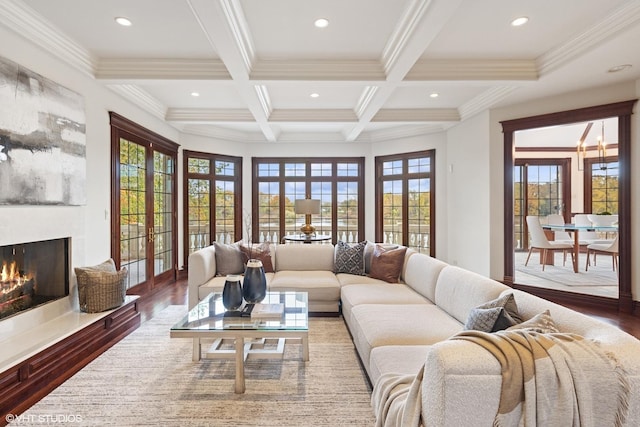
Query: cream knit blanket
[[547, 380]]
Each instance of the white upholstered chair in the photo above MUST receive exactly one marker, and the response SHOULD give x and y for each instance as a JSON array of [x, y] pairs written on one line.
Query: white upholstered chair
[[603, 248], [540, 242]]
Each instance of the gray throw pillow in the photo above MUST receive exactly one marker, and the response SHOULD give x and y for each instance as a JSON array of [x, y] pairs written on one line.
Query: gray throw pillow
[[509, 316], [349, 259], [483, 319], [228, 259]]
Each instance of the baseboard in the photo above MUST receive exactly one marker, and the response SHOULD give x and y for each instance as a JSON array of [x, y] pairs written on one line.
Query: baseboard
[[29, 381]]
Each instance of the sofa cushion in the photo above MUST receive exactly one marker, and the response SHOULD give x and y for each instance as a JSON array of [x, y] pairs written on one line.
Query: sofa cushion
[[321, 285], [421, 273], [349, 258], [459, 291], [399, 359], [260, 252], [292, 256], [386, 264], [228, 259], [375, 325]]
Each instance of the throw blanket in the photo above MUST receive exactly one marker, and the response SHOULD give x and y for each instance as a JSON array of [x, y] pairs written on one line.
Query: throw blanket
[[547, 380]]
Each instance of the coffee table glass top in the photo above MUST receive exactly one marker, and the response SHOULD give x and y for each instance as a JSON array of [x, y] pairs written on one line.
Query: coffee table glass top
[[209, 315]]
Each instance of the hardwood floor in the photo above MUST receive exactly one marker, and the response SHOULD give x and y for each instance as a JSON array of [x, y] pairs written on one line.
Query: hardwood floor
[[177, 295]]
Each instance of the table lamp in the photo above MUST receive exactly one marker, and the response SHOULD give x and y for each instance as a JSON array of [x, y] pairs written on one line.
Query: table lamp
[[307, 207]]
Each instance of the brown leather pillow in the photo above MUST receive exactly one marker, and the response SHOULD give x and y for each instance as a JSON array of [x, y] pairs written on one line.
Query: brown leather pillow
[[261, 252], [386, 264]]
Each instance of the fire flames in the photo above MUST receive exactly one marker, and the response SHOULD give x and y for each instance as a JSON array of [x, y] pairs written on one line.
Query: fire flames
[[11, 282]]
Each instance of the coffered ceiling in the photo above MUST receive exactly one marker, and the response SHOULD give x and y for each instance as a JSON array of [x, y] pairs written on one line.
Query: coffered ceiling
[[256, 63]]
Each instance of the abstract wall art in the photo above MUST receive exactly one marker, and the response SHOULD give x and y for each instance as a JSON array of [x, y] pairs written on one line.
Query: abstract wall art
[[42, 140]]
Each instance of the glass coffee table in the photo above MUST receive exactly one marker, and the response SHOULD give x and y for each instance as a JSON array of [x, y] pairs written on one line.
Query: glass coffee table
[[209, 319]]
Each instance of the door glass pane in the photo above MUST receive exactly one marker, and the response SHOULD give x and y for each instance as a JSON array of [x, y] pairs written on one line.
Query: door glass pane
[[225, 205], [133, 235], [419, 214], [163, 212], [268, 211], [293, 190], [347, 211], [392, 212], [199, 210], [322, 191]]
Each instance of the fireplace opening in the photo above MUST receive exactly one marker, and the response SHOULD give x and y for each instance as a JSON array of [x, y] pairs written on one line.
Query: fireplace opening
[[32, 274]]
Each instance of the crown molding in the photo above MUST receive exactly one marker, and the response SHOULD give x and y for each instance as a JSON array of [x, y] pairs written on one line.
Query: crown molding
[[473, 69], [485, 101], [402, 33], [208, 115], [417, 115], [161, 69], [318, 69], [27, 23], [312, 115], [399, 132], [625, 17], [141, 98], [222, 133]]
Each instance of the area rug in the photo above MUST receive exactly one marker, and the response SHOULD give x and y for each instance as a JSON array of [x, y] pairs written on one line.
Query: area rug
[[149, 379]]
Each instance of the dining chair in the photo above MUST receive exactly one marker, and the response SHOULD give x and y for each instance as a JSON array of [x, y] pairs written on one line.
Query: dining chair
[[540, 242], [589, 237], [559, 236], [603, 248]]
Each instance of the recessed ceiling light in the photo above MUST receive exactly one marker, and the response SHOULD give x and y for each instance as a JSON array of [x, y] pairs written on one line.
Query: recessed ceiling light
[[321, 23], [314, 95], [434, 95], [519, 21], [195, 94], [123, 21], [619, 68]]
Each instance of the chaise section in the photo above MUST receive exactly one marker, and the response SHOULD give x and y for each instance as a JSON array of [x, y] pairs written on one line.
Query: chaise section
[[377, 325]]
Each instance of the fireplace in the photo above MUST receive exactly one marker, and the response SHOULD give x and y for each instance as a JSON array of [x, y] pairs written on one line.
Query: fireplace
[[33, 274]]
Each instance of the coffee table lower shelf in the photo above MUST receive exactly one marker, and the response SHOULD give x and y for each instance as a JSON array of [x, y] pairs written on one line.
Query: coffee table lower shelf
[[243, 350]]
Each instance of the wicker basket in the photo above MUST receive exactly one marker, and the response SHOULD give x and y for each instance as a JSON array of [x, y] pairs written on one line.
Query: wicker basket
[[101, 287]]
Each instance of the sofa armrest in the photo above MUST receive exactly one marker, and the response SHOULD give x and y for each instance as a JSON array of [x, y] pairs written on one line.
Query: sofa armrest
[[461, 385], [202, 267]]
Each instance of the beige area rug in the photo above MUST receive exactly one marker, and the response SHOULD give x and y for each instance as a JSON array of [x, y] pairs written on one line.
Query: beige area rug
[[149, 379]]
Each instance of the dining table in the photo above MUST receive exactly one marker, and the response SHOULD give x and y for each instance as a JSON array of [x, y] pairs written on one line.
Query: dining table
[[575, 231]]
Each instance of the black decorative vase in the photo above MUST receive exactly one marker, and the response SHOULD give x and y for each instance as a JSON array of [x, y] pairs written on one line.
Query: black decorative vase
[[232, 293], [254, 287]]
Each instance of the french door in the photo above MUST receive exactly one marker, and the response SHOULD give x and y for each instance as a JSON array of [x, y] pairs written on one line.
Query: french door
[[541, 187], [144, 216]]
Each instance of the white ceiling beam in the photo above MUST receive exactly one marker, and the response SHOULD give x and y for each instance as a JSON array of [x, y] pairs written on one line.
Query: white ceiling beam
[[208, 115], [320, 70], [419, 25], [225, 27], [313, 115]]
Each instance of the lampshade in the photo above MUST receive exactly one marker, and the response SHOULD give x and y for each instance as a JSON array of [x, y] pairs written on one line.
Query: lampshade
[[307, 207]]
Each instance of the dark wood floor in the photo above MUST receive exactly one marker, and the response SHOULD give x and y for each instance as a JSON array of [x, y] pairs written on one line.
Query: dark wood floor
[[177, 295]]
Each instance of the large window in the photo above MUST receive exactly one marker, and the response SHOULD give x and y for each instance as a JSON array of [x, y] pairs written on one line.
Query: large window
[[336, 182], [601, 185], [405, 200], [144, 227], [212, 200]]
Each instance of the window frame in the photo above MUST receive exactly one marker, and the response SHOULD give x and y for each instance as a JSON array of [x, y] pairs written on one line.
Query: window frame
[[212, 177], [405, 176], [282, 178]]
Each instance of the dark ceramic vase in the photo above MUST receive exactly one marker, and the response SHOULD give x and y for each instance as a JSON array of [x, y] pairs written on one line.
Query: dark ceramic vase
[[254, 287], [232, 293]]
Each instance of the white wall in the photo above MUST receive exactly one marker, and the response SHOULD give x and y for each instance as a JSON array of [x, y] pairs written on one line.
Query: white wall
[[468, 195]]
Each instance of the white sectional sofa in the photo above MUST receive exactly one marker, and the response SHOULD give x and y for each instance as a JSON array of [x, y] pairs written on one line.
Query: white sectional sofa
[[402, 327]]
